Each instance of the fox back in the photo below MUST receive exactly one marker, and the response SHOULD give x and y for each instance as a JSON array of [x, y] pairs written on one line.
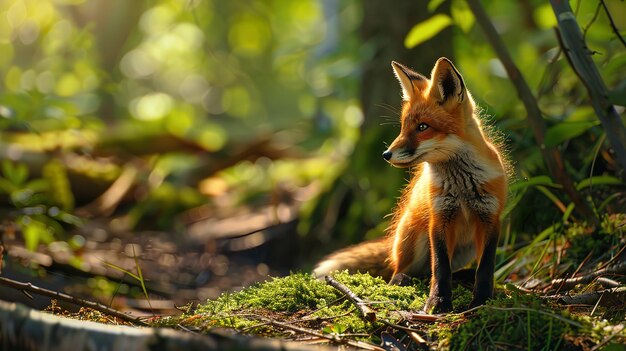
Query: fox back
[[449, 213]]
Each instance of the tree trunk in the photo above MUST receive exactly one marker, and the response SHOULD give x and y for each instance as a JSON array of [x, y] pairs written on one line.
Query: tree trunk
[[22, 328]]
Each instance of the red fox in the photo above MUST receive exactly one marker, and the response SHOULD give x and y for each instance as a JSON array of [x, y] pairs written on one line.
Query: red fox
[[449, 213]]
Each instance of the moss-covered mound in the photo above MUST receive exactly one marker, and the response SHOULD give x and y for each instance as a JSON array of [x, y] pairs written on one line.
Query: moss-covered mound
[[301, 307], [305, 301]]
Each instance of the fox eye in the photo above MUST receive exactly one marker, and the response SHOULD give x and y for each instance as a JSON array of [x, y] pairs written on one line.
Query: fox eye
[[422, 127]]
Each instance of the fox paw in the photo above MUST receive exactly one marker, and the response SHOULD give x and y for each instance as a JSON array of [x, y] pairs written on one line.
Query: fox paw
[[438, 304], [480, 297], [478, 301], [401, 279]]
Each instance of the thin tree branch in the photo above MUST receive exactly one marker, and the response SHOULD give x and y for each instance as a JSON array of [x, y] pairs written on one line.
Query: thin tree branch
[[608, 296], [331, 337], [591, 21], [28, 287], [365, 311], [618, 269], [551, 155], [613, 26]]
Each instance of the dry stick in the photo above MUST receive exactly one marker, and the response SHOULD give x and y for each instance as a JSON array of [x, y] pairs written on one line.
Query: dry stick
[[551, 155], [591, 298], [28, 287], [423, 317], [417, 338], [617, 269], [106, 203], [331, 337], [580, 266], [366, 313], [413, 333]]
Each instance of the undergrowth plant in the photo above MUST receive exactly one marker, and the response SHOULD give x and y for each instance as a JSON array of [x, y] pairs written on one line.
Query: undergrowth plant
[[41, 207]]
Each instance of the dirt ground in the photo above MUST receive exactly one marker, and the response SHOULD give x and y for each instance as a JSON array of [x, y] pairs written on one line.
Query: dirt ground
[[216, 251]]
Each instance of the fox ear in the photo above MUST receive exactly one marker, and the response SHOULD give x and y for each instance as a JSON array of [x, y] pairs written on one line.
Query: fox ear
[[447, 82], [409, 80]]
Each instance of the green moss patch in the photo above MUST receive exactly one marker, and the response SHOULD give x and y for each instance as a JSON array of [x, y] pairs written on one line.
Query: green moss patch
[[304, 301], [511, 321]]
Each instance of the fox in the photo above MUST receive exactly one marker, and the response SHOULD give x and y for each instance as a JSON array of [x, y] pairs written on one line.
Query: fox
[[449, 213]]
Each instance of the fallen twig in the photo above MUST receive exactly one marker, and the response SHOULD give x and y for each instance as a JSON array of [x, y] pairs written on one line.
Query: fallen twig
[[332, 337], [28, 287], [106, 203], [418, 339], [423, 317], [569, 283], [609, 297], [365, 311], [413, 333]]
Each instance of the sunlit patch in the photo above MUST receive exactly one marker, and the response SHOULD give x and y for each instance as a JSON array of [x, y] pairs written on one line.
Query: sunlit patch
[[151, 107]]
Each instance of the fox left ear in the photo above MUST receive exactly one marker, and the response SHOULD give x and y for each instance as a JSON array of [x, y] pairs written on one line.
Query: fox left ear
[[410, 81], [447, 82]]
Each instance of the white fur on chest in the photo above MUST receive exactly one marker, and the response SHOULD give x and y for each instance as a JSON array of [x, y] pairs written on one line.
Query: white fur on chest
[[461, 187]]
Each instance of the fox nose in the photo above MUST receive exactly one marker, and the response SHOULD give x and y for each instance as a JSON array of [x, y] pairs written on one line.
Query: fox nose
[[387, 155]]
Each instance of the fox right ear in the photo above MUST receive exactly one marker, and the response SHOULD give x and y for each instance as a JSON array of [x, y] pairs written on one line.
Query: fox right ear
[[409, 80], [447, 82]]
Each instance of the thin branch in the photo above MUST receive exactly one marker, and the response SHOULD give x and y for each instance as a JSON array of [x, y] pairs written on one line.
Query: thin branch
[[609, 296], [106, 203], [365, 311], [618, 269], [615, 30], [332, 337], [580, 266], [418, 339], [592, 21], [423, 317], [28, 287]]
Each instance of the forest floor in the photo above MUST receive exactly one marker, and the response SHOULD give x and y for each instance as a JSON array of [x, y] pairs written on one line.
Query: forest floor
[[216, 276]]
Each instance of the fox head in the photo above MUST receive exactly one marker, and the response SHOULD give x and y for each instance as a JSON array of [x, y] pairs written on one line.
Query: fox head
[[435, 116]]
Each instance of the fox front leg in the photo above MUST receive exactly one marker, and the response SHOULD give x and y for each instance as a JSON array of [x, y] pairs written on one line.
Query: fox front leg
[[440, 297], [483, 285]]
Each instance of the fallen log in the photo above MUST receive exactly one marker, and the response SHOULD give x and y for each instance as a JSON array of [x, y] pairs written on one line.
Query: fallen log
[[22, 328]]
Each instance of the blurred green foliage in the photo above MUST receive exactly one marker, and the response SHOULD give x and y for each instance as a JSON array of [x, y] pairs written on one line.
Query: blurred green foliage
[[76, 75], [41, 206]]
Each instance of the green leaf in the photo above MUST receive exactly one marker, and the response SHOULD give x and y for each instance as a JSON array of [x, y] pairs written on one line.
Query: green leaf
[[6, 186], [120, 269], [582, 114], [37, 185], [462, 15], [434, 4], [34, 232], [566, 130], [55, 174], [15, 173], [426, 30], [598, 180], [544, 16]]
